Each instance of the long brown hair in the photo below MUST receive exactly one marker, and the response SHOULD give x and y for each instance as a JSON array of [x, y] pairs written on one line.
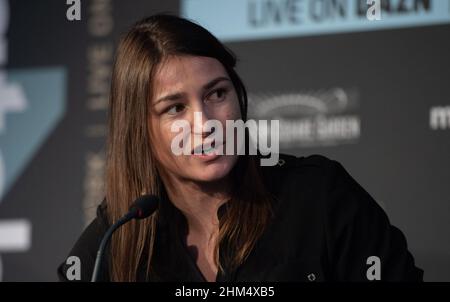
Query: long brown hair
[[131, 165]]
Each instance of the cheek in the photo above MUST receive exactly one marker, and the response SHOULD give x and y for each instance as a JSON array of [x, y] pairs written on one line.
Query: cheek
[[161, 138], [232, 111], [236, 108], [167, 136]]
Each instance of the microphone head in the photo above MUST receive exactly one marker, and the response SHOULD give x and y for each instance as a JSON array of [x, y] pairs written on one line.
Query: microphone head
[[144, 206]]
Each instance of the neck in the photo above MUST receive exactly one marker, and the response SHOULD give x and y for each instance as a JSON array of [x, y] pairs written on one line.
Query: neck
[[198, 201]]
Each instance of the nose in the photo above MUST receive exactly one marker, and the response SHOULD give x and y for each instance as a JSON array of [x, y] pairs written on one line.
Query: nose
[[198, 125], [201, 116]]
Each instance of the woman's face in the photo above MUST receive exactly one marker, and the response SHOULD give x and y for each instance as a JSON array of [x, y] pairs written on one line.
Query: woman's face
[[184, 85]]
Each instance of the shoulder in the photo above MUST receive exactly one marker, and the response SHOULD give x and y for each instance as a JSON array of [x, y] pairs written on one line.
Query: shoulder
[[314, 171], [311, 163], [337, 208], [312, 188], [79, 263], [322, 181]]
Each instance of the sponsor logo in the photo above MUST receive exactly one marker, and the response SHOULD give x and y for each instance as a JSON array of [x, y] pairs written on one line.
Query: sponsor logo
[[260, 19], [310, 119], [31, 103], [15, 236]]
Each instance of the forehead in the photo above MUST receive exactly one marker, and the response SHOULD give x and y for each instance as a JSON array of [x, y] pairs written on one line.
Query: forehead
[[180, 73]]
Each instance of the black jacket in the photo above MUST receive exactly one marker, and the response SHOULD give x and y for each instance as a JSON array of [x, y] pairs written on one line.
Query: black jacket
[[326, 227]]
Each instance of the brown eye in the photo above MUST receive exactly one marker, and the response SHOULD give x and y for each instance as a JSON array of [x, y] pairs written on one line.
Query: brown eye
[[218, 94], [177, 108]]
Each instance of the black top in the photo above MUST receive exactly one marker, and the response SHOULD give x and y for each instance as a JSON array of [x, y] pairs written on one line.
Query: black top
[[325, 228]]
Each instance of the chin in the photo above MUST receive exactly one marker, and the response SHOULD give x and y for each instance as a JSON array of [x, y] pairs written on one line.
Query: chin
[[215, 171]]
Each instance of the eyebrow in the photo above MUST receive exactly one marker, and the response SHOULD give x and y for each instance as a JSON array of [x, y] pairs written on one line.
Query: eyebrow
[[176, 96]]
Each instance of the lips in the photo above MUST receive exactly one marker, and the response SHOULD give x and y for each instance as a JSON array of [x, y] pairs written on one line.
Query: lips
[[201, 150]]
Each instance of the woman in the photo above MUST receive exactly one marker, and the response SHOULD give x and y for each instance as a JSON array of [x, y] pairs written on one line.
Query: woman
[[221, 217]]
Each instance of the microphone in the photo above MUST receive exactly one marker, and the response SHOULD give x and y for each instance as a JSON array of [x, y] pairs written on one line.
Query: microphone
[[141, 208]]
